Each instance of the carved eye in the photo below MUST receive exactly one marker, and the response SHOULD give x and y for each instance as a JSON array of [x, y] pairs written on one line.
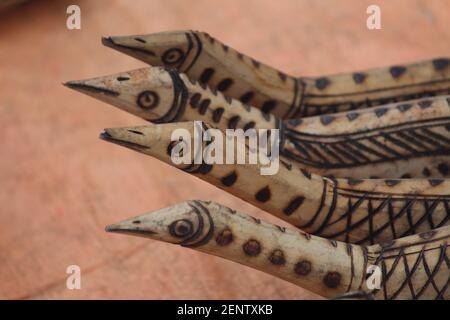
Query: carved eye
[[181, 228], [172, 56], [148, 99]]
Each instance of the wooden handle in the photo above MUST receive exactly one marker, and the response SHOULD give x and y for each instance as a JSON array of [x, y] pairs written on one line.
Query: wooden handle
[[361, 211], [411, 268], [211, 62]]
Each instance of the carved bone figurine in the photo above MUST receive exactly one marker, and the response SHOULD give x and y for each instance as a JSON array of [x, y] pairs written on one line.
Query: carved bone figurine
[[398, 225], [205, 59], [415, 267], [354, 210], [402, 140]]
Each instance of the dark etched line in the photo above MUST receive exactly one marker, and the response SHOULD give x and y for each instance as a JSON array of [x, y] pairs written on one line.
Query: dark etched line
[[321, 205], [330, 211], [199, 48], [91, 88], [383, 147]]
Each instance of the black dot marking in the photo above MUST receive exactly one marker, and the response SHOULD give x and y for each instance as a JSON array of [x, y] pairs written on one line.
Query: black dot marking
[[217, 114], [448, 101], [282, 76], [295, 122], [249, 125], [147, 99], [277, 257], [333, 243], [306, 173], [257, 221], [268, 106], [426, 172], [287, 165], [232, 123], [302, 268], [425, 104], [354, 182], [263, 195], [205, 168], [443, 169], [435, 182], [172, 56], [252, 248], [322, 83], [397, 71], [359, 77], [121, 78], [256, 63], [326, 119], [381, 111], [352, 115], [282, 229], [406, 176], [293, 205], [195, 100], [246, 97], [225, 237], [204, 106], [225, 47], [240, 55], [206, 75], [392, 182], [137, 221], [306, 235], [140, 40], [441, 64], [202, 85], [230, 179], [224, 84], [332, 279], [266, 116], [427, 235], [404, 107]]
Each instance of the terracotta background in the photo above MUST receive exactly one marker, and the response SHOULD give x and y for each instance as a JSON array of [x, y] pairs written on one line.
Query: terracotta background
[[60, 185]]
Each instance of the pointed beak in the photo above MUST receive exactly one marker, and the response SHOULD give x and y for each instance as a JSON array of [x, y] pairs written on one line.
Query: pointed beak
[[81, 86], [116, 136], [127, 45], [126, 228], [108, 42]]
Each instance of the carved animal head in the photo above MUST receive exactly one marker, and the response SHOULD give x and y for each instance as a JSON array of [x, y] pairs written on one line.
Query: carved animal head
[[171, 49], [154, 94], [188, 224]]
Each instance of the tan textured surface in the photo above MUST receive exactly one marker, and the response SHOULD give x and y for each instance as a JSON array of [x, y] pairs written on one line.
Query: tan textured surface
[[60, 185]]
